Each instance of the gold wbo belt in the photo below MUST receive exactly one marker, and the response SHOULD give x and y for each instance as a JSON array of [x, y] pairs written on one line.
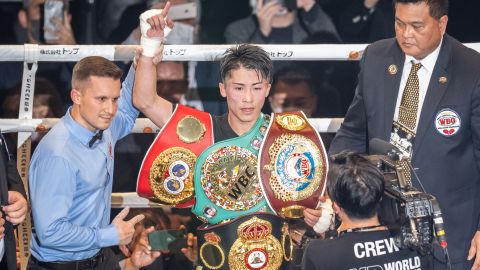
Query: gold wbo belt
[[293, 165]]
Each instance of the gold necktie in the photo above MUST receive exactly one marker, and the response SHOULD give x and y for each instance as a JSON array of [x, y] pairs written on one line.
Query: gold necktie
[[407, 114]]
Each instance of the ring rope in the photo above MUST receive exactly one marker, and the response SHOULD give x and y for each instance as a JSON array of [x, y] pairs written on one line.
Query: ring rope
[[305, 52], [24, 143], [142, 125]]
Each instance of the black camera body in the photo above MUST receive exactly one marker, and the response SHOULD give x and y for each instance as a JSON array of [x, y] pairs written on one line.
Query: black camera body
[[406, 211]]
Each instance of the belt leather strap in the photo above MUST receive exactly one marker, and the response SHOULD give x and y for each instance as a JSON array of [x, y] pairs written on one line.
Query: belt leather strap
[[251, 241], [90, 263], [166, 174], [293, 165]]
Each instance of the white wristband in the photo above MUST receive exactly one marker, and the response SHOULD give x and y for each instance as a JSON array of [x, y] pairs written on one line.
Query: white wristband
[[326, 219], [150, 45]]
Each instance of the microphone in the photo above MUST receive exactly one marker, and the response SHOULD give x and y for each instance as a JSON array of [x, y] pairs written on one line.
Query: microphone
[[381, 147]]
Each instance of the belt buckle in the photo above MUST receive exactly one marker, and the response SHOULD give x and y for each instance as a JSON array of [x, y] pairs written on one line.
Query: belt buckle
[[91, 262], [86, 264]]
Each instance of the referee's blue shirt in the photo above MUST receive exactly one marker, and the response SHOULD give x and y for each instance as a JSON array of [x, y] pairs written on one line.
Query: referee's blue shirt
[[71, 186]]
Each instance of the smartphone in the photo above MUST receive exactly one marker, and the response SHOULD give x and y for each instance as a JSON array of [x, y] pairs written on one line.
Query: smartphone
[[168, 239], [183, 11], [289, 5], [52, 9]]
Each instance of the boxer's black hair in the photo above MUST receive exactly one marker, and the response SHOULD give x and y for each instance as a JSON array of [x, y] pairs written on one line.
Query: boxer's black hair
[[247, 56]]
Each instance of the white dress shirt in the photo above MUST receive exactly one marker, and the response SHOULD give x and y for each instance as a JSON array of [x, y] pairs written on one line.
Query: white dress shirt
[[424, 75]]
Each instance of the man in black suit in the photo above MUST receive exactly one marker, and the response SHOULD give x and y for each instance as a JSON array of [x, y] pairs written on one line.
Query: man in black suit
[[13, 207], [437, 126]]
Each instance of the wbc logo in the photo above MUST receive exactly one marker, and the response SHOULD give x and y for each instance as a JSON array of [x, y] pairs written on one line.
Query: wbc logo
[[447, 122]]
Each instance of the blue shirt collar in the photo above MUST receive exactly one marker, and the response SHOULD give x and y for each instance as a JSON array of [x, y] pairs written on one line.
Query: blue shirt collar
[[80, 132]]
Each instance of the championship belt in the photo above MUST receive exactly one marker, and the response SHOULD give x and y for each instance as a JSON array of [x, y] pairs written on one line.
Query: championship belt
[[249, 242], [166, 174], [226, 182], [292, 165]]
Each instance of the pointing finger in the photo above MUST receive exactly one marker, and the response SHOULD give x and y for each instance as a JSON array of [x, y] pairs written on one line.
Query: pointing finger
[[136, 219], [166, 9], [122, 214]]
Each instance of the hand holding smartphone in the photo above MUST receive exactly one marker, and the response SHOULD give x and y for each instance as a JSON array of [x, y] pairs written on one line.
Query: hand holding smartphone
[[53, 11], [288, 4]]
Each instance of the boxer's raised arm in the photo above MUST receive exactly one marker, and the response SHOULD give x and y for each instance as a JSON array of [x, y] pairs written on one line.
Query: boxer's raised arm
[[154, 28]]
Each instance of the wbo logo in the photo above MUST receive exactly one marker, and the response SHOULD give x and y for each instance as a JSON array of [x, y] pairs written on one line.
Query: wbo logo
[[448, 122]]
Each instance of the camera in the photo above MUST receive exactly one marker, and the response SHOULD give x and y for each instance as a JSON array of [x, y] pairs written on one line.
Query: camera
[[411, 215]]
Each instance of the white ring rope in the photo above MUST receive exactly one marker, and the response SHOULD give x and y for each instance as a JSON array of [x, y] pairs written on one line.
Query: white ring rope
[[304, 52], [142, 125]]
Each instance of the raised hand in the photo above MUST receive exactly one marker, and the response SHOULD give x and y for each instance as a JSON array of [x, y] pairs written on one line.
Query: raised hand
[[64, 32], [154, 27], [265, 15], [159, 22]]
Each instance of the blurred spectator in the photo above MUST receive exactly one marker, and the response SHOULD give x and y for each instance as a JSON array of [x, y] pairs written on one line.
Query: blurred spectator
[[30, 20], [273, 23], [46, 104], [293, 90], [341, 75], [366, 21], [216, 15], [172, 84], [28, 30]]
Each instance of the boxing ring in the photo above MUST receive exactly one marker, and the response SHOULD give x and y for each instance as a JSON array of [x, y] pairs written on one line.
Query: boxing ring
[[32, 54]]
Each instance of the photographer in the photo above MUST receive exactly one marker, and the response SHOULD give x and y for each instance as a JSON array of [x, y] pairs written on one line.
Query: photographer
[[356, 186]]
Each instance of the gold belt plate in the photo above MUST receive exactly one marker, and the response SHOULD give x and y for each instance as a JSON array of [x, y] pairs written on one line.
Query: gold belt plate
[[296, 166], [171, 175], [256, 247], [229, 178]]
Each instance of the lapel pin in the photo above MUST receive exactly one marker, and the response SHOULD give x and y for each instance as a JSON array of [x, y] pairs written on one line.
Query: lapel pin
[[442, 80], [392, 69]]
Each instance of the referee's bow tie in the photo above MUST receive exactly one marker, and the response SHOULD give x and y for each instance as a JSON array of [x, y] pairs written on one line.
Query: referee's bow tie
[[97, 136]]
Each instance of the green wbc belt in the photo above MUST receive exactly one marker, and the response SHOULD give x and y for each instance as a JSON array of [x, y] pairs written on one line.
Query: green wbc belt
[[225, 180]]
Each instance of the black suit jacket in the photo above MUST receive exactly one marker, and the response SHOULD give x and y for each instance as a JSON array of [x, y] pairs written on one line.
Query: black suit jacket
[[448, 166], [9, 180]]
